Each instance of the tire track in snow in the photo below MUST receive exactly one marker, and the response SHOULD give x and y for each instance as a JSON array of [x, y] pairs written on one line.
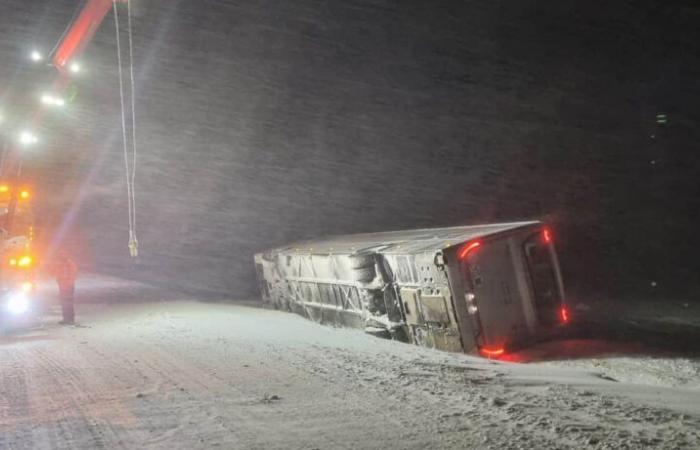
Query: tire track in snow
[[171, 373], [16, 430], [247, 415], [81, 401]]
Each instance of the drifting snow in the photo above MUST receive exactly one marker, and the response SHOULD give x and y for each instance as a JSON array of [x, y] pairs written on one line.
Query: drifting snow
[[142, 372]]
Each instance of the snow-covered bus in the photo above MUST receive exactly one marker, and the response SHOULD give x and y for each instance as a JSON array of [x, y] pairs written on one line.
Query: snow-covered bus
[[482, 289]]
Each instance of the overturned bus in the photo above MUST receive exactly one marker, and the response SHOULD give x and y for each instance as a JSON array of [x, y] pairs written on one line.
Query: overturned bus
[[482, 289]]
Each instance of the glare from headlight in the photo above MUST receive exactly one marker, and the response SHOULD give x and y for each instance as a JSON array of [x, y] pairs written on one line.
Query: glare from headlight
[[17, 303]]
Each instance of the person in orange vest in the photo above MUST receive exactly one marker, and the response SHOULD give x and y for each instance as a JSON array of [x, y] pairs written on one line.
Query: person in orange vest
[[65, 272]]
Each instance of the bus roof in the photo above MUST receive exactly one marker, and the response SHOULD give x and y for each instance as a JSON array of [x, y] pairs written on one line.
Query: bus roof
[[401, 242]]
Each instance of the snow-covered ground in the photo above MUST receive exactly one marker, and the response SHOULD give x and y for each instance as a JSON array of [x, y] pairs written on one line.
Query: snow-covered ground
[[152, 369]]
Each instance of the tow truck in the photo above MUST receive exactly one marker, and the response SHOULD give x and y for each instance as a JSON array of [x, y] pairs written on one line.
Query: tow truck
[[18, 259], [18, 302]]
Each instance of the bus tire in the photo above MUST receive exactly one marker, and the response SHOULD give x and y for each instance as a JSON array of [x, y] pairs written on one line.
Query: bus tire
[[361, 261], [364, 274]]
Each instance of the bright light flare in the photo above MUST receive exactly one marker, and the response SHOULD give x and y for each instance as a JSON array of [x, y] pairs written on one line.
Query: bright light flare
[[27, 287], [36, 56], [51, 100], [27, 138], [25, 261], [17, 303], [74, 67], [4, 188], [24, 195]]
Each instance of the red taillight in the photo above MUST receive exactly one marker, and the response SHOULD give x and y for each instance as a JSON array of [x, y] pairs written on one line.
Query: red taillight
[[492, 352], [546, 236], [564, 313], [468, 248]]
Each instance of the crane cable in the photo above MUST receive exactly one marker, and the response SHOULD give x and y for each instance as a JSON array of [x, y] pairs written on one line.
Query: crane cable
[[134, 243], [130, 168]]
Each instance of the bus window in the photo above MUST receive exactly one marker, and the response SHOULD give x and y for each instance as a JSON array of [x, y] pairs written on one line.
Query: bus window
[[543, 277]]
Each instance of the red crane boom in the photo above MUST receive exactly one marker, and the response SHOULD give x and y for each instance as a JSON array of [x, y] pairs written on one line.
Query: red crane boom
[[81, 32], [68, 50]]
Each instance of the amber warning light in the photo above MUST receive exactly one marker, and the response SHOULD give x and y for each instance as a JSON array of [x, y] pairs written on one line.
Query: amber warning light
[[24, 261]]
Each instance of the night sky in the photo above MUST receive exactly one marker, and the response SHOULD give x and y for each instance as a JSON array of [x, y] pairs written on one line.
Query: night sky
[[260, 123]]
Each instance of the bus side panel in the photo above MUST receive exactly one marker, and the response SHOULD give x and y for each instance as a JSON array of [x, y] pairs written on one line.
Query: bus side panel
[[325, 288], [426, 302]]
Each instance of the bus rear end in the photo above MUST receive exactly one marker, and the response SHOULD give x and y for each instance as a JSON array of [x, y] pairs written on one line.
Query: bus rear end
[[513, 290]]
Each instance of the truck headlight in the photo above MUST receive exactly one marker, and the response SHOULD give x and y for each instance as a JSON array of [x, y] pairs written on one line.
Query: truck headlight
[[17, 303]]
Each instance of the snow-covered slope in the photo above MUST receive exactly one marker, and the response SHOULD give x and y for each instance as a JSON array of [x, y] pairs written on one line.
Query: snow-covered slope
[[144, 373]]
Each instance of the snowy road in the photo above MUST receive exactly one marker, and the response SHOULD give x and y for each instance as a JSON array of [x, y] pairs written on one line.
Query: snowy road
[[145, 373]]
